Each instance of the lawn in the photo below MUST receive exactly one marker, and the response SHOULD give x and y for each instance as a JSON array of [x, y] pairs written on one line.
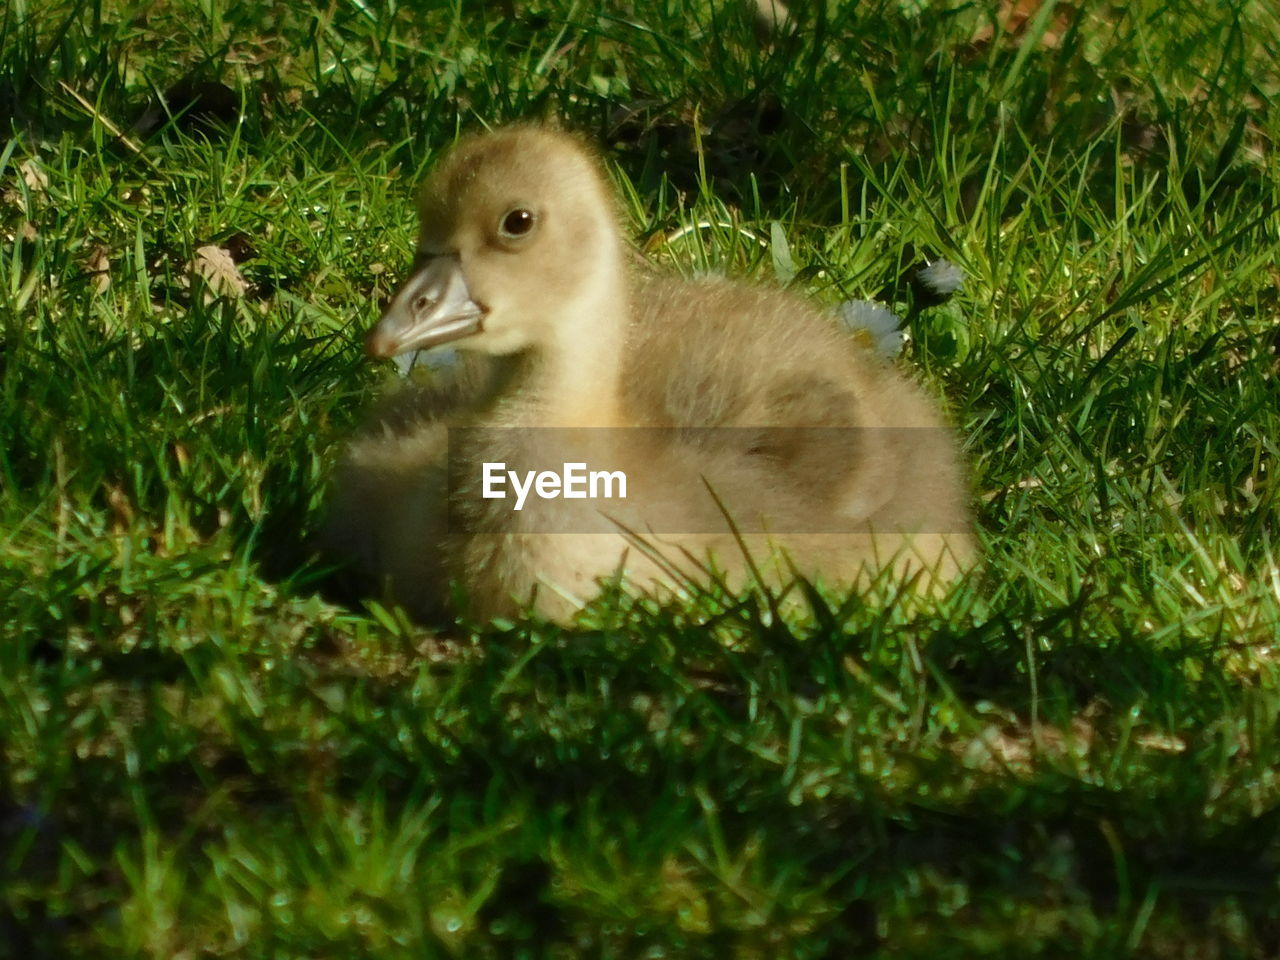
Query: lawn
[[206, 754]]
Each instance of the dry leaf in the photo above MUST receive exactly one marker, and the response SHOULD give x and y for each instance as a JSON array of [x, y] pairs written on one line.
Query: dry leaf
[[37, 180], [99, 266], [993, 744], [215, 266], [1015, 746], [121, 509], [1161, 742], [1014, 17]]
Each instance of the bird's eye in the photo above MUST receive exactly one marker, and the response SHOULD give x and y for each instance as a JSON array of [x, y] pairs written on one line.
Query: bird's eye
[[516, 223]]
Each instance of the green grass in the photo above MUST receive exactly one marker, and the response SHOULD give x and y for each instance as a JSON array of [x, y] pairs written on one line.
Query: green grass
[[1075, 753]]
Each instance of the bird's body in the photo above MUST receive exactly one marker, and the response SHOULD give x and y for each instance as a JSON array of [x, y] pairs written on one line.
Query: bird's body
[[714, 399]]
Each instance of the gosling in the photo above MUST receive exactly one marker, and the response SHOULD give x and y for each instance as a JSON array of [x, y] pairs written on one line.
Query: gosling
[[758, 440]]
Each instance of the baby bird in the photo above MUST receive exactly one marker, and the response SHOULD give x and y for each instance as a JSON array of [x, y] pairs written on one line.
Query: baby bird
[[750, 436]]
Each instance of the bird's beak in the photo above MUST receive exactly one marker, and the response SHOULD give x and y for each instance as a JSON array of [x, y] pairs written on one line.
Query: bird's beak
[[433, 306]]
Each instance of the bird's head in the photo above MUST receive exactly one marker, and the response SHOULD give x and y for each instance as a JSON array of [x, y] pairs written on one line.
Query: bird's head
[[518, 237]]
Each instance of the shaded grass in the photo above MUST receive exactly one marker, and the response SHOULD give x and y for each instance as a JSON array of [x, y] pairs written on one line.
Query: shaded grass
[[1076, 751]]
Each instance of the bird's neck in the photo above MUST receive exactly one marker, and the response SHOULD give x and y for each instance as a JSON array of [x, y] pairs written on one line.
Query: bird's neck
[[576, 377]]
